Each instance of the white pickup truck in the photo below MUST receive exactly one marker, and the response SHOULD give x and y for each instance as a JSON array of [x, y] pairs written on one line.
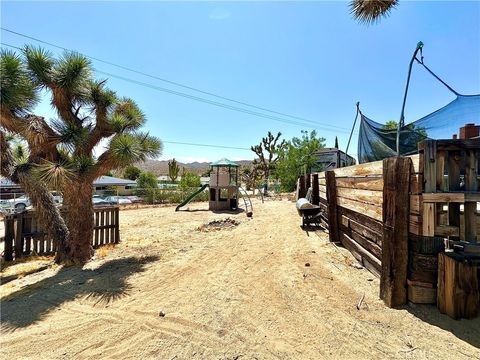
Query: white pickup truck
[[16, 204], [21, 203]]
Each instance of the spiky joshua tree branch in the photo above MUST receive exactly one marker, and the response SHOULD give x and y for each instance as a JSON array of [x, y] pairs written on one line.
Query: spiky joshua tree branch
[[61, 150]]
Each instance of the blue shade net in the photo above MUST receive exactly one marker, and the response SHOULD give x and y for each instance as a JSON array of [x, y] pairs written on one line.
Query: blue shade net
[[377, 141]]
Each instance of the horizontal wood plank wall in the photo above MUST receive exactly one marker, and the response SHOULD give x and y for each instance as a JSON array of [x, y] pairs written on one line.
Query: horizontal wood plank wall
[[359, 199], [24, 237]]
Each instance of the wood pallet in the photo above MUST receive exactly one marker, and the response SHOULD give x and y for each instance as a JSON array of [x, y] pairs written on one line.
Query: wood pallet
[[448, 204]]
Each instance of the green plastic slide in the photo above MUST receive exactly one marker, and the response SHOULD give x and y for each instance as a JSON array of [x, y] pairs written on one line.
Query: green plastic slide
[[188, 199]]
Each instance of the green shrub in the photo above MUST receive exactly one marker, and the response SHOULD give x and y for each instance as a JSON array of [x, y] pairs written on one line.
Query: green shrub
[[190, 180]]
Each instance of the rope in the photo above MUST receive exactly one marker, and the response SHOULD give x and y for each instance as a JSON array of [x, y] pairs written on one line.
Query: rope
[[435, 76]]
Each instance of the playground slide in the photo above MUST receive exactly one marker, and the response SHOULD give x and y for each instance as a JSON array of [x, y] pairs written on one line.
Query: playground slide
[[188, 199]]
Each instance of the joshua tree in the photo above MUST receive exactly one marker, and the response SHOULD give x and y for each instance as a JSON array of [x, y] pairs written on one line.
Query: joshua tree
[[61, 150], [370, 11], [272, 148], [173, 170], [18, 169], [251, 175]]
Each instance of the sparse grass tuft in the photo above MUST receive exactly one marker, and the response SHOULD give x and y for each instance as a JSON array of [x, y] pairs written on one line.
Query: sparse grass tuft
[[104, 250]]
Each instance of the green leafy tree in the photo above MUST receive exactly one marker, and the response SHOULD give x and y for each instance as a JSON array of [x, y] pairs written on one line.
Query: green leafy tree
[[267, 154], [147, 187], [190, 180], [131, 172], [60, 151], [391, 125], [173, 170], [298, 157], [147, 180]]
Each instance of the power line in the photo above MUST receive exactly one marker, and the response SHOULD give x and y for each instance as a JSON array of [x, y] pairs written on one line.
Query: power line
[[169, 81], [178, 142], [212, 102], [215, 103]]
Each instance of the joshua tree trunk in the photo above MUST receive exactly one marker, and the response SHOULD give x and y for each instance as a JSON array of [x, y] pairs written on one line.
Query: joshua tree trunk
[[77, 198], [47, 213]]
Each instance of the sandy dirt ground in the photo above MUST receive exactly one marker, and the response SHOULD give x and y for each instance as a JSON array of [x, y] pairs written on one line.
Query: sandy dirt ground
[[170, 291]]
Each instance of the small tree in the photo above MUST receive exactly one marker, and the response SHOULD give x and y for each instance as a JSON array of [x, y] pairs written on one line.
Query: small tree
[[299, 156], [147, 180], [267, 152], [190, 180], [61, 150], [173, 170], [131, 172], [147, 186]]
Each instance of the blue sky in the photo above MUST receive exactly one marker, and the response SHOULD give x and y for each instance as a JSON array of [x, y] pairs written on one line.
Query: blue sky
[[307, 59]]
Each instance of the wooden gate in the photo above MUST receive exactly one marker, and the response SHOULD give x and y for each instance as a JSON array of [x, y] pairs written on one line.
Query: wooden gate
[[23, 235]]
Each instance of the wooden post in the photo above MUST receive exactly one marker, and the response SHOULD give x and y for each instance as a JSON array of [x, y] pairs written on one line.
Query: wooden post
[[117, 226], [470, 208], [19, 237], [297, 192], [9, 235], [429, 220], [302, 191], [102, 224], [333, 231], [315, 190], [308, 182], [430, 167], [458, 293], [396, 209], [97, 228], [441, 183]]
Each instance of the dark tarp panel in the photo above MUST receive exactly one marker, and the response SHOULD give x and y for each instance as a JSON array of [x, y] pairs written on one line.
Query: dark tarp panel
[[377, 142]]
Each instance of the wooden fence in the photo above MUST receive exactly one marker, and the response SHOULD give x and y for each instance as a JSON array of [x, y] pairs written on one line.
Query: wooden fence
[[23, 235], [394, 215], [352, 202]]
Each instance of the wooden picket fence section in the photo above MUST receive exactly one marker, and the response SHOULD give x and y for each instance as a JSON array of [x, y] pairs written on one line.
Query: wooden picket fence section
[[23, 235], [395, 215]]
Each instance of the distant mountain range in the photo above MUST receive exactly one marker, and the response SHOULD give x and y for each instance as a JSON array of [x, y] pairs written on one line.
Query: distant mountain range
[[160, 167]]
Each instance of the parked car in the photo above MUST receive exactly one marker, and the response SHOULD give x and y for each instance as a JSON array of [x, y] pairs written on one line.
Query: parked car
[[135, 199], [17, 204], [57, 197], [99, 201], [117, 200]]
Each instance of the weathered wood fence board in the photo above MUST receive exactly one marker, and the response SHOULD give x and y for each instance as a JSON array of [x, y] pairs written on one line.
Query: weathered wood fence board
[[393, 280], [352, 199], [24, 237]]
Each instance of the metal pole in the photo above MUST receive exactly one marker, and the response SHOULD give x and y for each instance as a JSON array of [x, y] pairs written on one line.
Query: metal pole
[[401, 123], [353, 127]]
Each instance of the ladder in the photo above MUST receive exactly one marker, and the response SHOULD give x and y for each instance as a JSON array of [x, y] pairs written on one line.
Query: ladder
[[247, 201]]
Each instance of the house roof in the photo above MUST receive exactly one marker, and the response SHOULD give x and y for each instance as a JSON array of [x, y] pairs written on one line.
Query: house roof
[[101, 181], [224, 162], [113, 181]]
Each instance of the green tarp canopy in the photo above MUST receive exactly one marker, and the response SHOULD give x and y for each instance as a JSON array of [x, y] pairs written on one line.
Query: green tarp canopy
[[224, 162]]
